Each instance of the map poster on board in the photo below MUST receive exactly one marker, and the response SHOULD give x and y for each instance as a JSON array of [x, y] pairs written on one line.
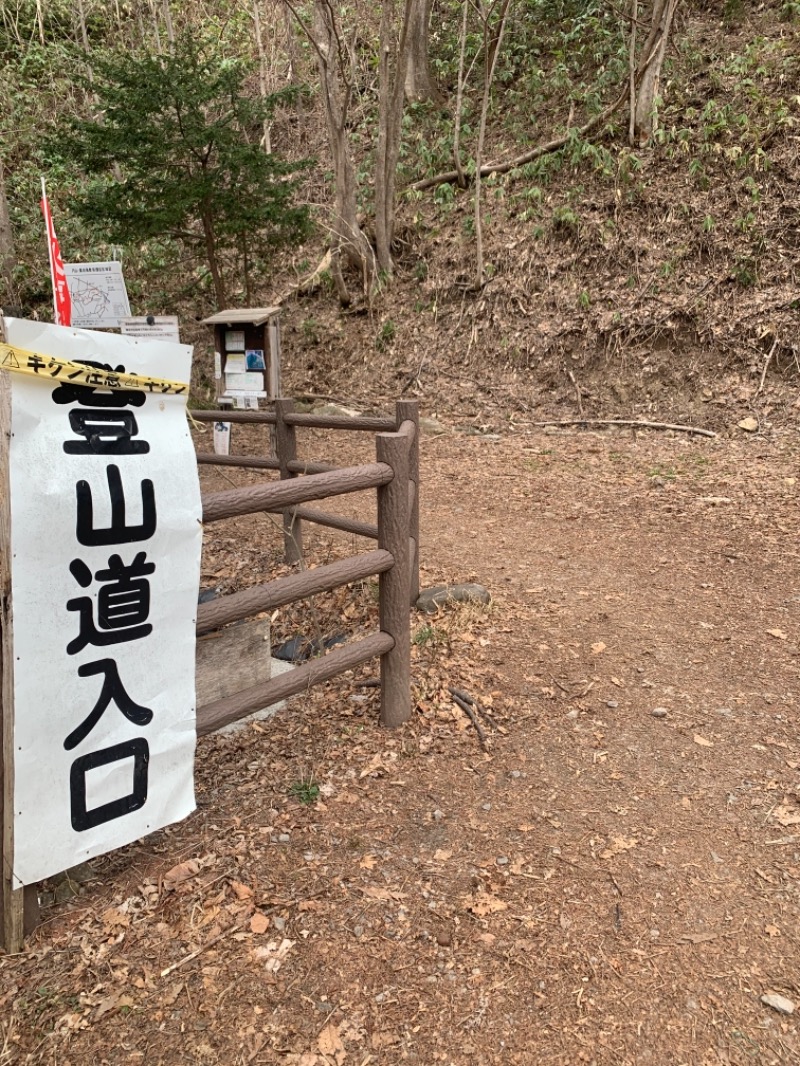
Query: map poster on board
[[98, 294], [105, 542]]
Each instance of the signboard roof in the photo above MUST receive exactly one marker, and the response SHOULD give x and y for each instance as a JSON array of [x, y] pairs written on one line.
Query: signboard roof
[[255, 316]]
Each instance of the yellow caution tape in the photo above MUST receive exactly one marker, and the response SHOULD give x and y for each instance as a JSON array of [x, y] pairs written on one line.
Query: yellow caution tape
[[49, 368]]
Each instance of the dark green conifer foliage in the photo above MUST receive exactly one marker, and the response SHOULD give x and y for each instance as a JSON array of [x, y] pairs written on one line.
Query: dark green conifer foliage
[[173, 151]]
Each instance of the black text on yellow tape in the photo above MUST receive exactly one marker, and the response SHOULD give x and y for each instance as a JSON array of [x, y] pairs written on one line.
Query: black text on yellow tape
[[50, 368]]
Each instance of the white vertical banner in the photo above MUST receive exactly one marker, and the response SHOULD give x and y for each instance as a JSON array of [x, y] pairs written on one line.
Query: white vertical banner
[[106, 536]]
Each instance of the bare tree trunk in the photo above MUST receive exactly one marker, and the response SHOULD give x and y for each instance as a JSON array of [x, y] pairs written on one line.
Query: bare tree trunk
[[347, 239], [11, 25], [8, 256], [168, 24], [491, 52], [140, 22], [462, 48], [336, 66], [632, 73], [266, 140], [156, 30], [248, 296], [40, 19], [212, 259], [419, 82], [651, 63], [82, 27], [390, 117]]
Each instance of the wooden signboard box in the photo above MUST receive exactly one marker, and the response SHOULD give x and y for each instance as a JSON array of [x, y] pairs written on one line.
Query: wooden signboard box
[[240, 336]]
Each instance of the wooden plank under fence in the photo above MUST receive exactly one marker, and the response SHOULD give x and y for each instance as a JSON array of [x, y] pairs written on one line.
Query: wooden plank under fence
[[231, 659]]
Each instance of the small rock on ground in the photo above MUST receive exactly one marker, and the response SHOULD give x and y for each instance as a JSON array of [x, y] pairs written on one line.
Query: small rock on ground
[[432, 599], [779, 1003]]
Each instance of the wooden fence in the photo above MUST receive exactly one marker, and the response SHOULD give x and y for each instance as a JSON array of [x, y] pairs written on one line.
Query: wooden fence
[[286, 422], [395, 475]]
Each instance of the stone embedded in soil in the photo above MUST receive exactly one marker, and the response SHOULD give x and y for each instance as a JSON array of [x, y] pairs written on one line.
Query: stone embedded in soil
[[659, 712], [337, 410], [431, 600], [430, 425], [749, 424], [779, 1003]]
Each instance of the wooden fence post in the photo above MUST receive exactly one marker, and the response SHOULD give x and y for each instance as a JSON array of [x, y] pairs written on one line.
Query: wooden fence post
[[286, 445], [395, 615], [408, 411], [12, 898]]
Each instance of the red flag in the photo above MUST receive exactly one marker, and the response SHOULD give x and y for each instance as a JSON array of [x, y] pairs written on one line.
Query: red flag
[[62, 303]]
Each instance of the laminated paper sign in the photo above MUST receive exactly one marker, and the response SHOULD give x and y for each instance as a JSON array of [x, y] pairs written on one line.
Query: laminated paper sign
[[106, 536], [98, 294]]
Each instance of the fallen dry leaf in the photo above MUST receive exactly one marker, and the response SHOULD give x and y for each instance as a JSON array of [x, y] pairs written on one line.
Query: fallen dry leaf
[[182, 872], [787, 813], [378, 765], [618, 845], [259, 923], [171, 995], [112, 1003], [114, 919], [273, 954], [241, 891], [779, 633], [483, 903], [598, 647], [382, 1040], [376, 892], [703, 742], [699, 938], [330, 1043]]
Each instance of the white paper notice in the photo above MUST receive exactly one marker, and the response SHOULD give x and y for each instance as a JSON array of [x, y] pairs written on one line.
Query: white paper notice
[[235, 364], [106, 536], [98, 294]]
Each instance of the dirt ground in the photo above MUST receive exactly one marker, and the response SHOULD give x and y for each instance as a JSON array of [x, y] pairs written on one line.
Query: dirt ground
[[613, 881]]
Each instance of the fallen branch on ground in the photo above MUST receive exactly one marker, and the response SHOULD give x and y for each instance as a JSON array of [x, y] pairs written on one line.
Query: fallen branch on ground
[[624, 422], [204, 947], [450, 176], [465, 707], [469, 705]]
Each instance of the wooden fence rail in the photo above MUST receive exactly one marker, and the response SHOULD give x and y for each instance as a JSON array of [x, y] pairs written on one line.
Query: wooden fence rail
[[286, 461], [278, 496], [283, 590], [395, 476], [223, 712]]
